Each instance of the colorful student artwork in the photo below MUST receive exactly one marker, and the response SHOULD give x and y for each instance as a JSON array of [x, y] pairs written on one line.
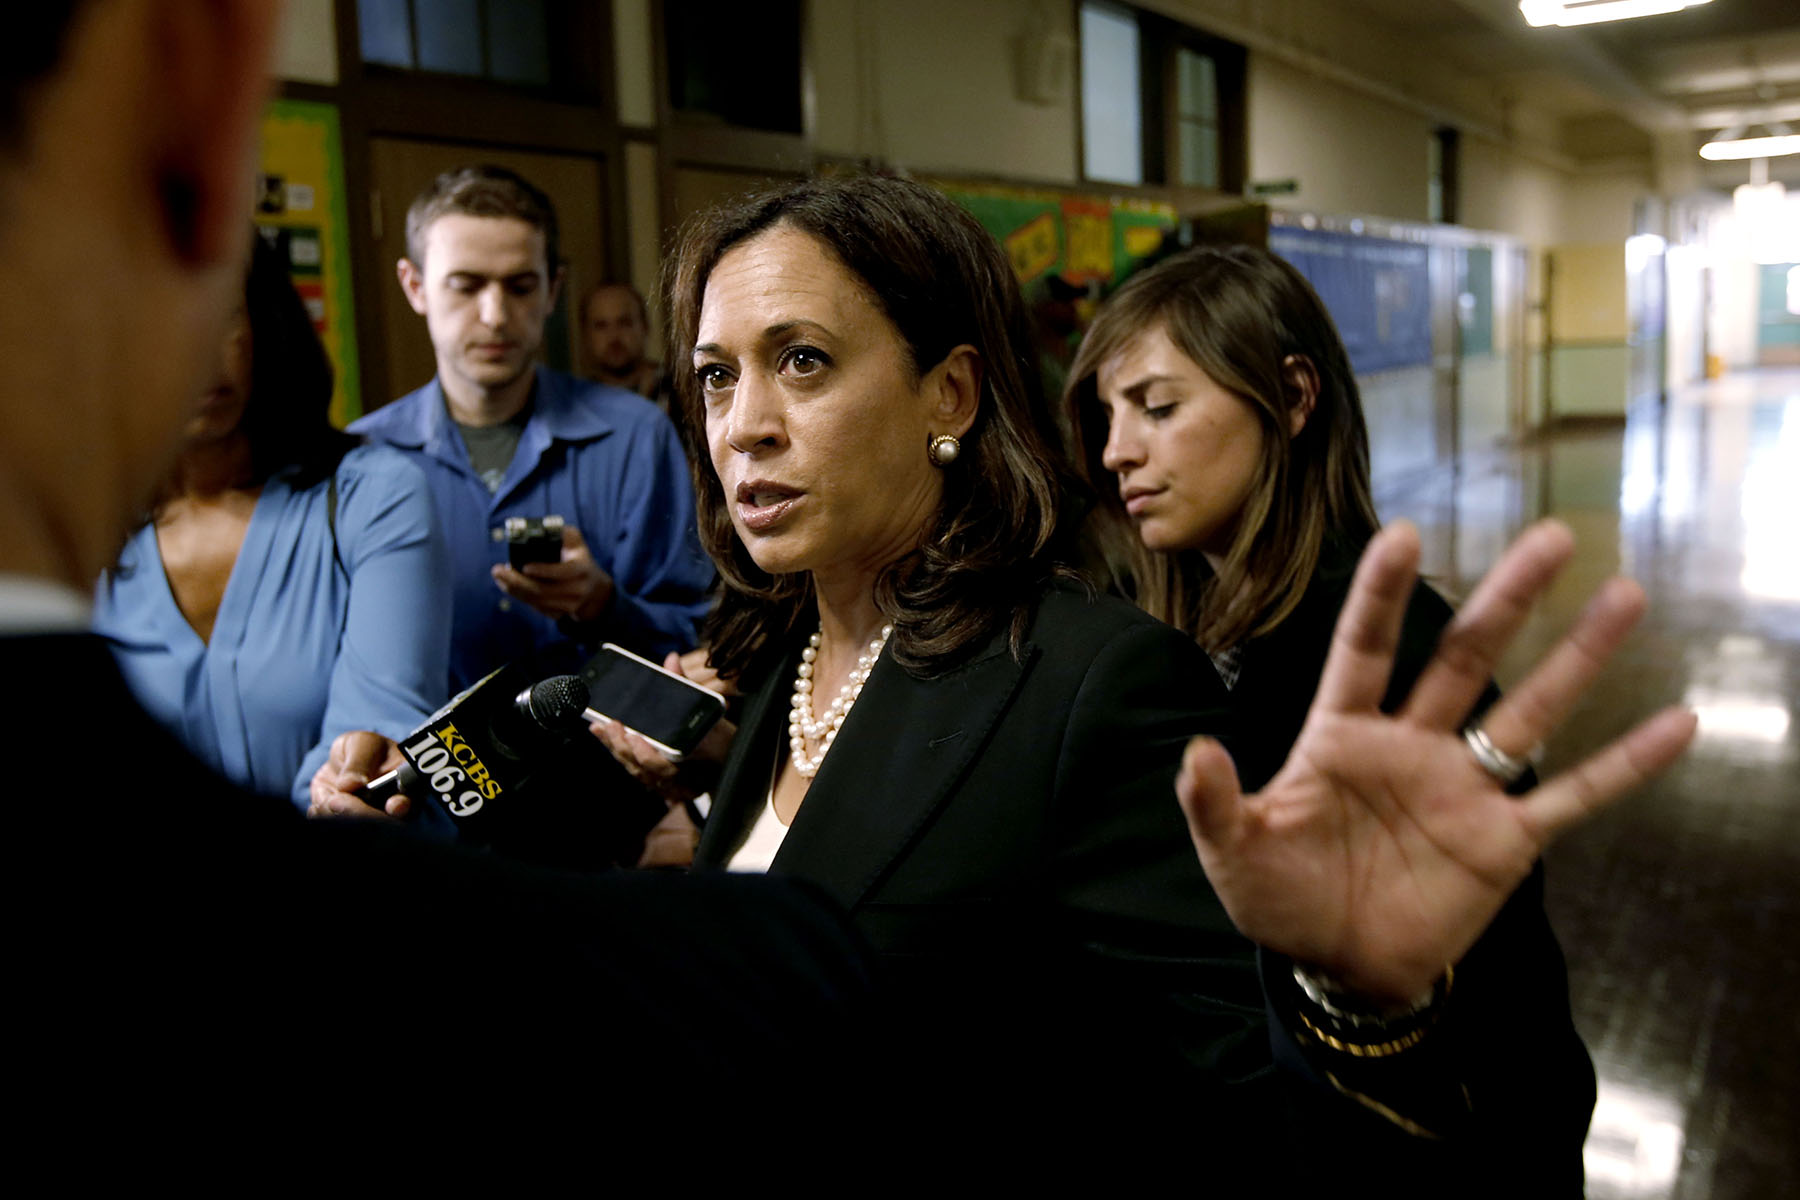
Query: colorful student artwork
[[1081, 239], [301, 211]]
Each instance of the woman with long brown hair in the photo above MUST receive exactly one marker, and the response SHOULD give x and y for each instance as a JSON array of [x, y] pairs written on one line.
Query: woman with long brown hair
[[1215, 408]]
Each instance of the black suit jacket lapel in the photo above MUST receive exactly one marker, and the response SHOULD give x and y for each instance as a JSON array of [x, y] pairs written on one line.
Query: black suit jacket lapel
[[744, 785], [902, 750]]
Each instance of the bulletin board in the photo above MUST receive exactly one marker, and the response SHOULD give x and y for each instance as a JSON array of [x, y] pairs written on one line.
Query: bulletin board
[[301, 210], [1377, 290], [1083, 239]]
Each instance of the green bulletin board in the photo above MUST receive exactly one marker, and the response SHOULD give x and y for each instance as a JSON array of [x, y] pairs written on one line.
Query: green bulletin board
[[301, 210], [1081, 238]]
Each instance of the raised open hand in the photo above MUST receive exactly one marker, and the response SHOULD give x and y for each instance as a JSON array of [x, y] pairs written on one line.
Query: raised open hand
[[1382, 848]]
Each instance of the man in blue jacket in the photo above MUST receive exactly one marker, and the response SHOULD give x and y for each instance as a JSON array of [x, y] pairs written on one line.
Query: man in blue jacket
[[500, 436]]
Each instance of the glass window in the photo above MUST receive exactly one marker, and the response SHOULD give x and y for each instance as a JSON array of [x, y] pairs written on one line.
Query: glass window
[[519, 42], [1161, 102], [737, 63], [385, 27], [1441, 176], [449, 36], [1434, 178], [1199, 85], [1111, 95], [1199, 154], [1197, 118], [507, 41]]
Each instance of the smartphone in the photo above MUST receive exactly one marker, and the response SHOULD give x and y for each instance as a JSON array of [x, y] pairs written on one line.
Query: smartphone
[[533, 540], [666, 710]]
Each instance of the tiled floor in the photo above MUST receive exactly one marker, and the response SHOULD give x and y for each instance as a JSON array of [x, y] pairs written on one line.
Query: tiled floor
[[1679, 910]]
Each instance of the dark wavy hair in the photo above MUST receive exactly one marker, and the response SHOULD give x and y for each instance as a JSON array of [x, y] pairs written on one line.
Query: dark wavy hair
[[1240, 313], [287, 414], [943, 282]]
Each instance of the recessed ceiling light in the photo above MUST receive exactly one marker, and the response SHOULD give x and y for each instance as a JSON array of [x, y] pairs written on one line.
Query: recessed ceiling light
[[1775, 140], [1588, 12]]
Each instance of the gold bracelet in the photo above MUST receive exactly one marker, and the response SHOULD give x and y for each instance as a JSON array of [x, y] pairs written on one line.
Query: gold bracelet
[[1405, 1041]]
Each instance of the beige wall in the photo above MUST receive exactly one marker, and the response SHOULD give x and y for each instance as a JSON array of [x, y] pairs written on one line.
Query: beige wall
[[634, 62], [1510, 194], [1587, 293], [643, 228], [306, 48], [1350, 152], [886, 83], [930, 85], [1599, 208]]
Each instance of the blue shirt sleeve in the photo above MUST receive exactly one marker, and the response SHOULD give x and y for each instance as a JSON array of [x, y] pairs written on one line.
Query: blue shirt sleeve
[[661, 576], [391, 664]]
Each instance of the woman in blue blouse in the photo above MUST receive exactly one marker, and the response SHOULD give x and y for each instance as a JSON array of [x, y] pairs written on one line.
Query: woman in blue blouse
[[287, 587]]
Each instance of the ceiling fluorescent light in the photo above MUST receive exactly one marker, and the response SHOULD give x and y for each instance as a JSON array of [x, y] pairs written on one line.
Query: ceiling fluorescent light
[[1587, 12], [1777, 139]]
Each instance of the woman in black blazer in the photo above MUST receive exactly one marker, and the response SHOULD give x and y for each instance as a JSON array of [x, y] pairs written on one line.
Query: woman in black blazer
[[951, 735]]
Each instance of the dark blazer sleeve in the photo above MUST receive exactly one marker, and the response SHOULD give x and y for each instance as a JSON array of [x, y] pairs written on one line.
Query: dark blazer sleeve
[[1169, 980]]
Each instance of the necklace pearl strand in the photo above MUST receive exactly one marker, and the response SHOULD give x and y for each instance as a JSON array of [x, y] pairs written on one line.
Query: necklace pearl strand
[[803, 726]]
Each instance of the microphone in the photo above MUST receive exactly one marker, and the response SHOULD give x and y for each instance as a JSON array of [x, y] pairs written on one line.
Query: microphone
[[486, 743]]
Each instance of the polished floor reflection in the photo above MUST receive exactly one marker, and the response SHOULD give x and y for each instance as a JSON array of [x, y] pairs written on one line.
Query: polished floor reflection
[[1679, 910]]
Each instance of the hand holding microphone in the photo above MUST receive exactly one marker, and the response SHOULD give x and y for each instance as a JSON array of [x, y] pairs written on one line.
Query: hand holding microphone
[[476, 752], [356, 757]]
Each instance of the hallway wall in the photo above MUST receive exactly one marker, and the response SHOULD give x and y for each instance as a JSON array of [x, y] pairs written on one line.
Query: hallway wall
[[1350, 152], [891, 86], [1343, 107]]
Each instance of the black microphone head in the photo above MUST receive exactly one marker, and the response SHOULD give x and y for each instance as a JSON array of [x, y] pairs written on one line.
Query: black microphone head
[[556, 703]]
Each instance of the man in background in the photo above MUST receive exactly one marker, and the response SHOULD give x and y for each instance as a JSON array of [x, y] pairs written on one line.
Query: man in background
[[615, 326], [500, 436]]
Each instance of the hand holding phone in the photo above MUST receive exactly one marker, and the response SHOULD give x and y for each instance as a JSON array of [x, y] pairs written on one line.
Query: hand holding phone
[[668, 711]]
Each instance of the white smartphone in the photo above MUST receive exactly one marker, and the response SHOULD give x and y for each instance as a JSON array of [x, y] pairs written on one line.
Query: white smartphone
[[666, 710]]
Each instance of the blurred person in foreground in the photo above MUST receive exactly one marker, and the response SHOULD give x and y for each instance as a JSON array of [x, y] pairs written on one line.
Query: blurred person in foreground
[[205, 982]]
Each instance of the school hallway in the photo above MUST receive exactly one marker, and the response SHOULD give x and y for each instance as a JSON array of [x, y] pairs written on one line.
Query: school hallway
[[1679, 910]]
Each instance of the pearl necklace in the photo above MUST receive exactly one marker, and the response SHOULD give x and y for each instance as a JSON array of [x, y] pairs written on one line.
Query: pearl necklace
[[803, 726]]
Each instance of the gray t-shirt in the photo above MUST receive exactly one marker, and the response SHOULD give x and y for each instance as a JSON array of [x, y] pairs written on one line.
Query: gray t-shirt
[[491, 447]]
